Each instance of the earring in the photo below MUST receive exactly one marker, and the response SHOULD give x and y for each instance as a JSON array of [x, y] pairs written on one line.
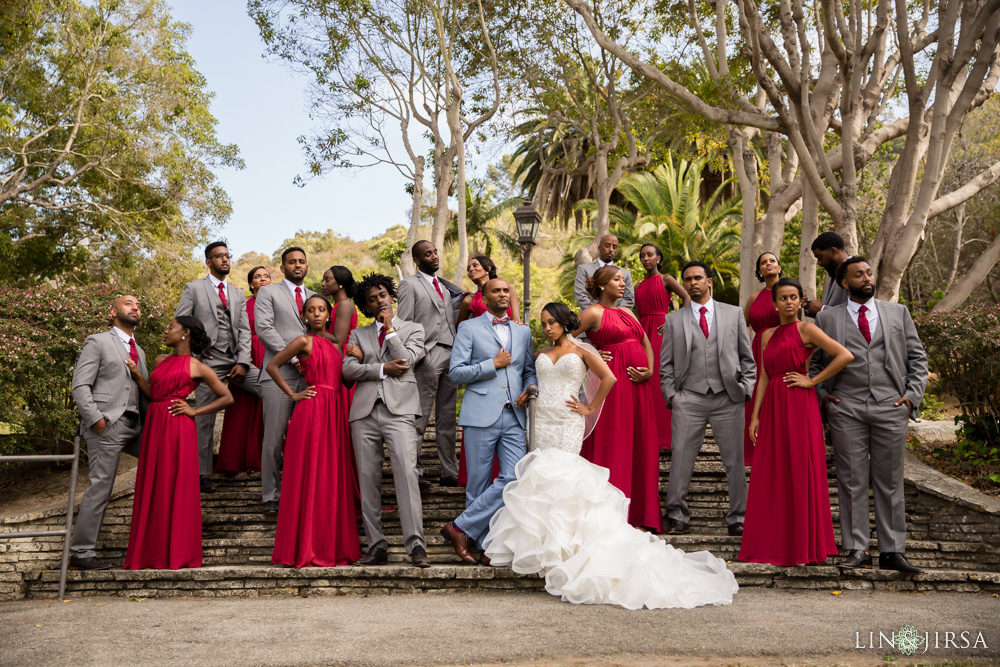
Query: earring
[[602, 289], [183, 337]]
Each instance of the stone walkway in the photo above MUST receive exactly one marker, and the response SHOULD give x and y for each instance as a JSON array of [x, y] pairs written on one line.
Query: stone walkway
[[761, 627]]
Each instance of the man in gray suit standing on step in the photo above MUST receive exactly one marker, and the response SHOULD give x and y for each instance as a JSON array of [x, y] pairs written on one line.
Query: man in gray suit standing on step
[[707, 375], [607, 250], [111, 409], [221, 308], [278, 319], [424, 299], [868, 405], [828, 249], [380, 359]]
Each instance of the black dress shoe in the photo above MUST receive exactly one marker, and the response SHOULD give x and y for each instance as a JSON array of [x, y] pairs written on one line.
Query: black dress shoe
[[856, 559], [376, 556], [271, 507], [677, 527], [89, 563], [735, 528], [419, 557], [898, 562], [423, 483], [448, 481], [207, 486]]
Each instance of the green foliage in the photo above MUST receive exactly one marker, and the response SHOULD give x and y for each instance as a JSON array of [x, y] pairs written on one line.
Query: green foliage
[[482, 216], [107, 144], [931, 408], [963, 348], [41, 334]]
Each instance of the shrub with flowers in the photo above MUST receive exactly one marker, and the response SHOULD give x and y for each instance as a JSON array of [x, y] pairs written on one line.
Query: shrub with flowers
[[41, 332]]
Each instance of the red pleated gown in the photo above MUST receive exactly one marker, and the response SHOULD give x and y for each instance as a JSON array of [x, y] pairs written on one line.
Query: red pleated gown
[[243, 425], [763, 316], [166, 510], [316, 514], [653, 303], [788, 520], [624, 440]]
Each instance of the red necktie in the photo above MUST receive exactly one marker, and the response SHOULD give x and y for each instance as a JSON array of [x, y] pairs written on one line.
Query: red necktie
[[222, 295], [298, 298], [863, 324], [381, 338], [438, 288], [704, 321], [133, 351], [501, 320]]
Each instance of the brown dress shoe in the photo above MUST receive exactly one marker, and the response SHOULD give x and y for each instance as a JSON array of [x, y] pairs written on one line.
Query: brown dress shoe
[[460, 541], [485, 560]]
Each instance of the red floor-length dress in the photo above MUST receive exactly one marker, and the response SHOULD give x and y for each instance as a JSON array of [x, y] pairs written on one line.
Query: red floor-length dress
[[653, 303], [317, 513], [243, 425], [763, 316], [477, 307], [788, 519], [166, 509], [346, 396], [624, 440]]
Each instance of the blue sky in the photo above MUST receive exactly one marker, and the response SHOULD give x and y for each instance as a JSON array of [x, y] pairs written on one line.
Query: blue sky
[[262, 107]]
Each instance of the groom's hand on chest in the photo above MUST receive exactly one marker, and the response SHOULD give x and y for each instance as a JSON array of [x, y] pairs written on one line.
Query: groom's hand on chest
[[502, 360]]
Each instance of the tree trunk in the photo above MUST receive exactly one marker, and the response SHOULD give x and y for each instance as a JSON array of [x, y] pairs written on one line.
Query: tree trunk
[[980, 269], [444, 177], [810, 230], [745, 165], [601, 224], [956, 247], [406, 265], [463, 239]]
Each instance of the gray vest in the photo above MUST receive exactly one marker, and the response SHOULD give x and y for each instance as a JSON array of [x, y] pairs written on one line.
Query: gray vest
[[703, 368], [866, 375], [223, 338]]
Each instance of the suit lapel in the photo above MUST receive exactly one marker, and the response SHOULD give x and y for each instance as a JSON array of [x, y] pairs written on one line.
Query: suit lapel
[[720, 328], [119, 346], [487, 321], [210, 293], [432, 293]]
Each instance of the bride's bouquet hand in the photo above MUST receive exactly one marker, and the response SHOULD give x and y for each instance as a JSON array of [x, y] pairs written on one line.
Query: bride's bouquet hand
[[579, 408]]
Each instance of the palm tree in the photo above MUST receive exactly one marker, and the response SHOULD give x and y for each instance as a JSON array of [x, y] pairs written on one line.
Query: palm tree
[[481, 217], [669, 211]]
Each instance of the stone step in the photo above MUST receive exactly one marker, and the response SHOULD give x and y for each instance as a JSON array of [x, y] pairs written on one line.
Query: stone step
[[259, 580]]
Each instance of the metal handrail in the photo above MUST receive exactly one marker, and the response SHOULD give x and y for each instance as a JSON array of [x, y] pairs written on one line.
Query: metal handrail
[[66, 532], [532, 399]]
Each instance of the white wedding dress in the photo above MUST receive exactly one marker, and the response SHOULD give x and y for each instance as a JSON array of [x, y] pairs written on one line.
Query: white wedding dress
[[563, 520]]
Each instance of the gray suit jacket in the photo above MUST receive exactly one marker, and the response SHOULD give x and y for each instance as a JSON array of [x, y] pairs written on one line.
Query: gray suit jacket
[[735, 354], [585, 271], [278, 323], [905, 359], [399, 393], [833, 293], [416, 301], [199, 299], [101, 381]]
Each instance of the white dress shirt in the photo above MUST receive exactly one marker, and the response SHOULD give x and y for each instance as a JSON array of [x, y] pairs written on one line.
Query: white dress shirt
[[124, 337], [853, 307], [709, 314], [291, 288], [503, 332], [391, 334], [216, 282]]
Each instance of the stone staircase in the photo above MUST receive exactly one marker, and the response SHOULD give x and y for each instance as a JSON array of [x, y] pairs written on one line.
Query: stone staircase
[[955, 535]]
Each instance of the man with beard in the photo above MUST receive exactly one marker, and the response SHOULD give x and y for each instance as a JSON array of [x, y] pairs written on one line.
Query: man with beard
[[868, 405], [221, 308], [110, 406], [278, 319], [425, 299], [828, 249], [607, 250]]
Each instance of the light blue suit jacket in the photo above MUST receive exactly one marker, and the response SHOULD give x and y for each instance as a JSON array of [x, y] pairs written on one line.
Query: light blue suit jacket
[[487, 388]]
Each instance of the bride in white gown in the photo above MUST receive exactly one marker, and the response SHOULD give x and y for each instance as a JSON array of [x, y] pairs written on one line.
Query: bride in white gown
[[563, 520]]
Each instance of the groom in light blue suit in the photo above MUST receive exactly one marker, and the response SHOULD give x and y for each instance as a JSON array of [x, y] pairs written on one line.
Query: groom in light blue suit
[[495, 359]]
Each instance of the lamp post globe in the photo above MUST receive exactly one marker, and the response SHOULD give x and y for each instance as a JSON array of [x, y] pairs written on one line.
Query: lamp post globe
[[526, 219]]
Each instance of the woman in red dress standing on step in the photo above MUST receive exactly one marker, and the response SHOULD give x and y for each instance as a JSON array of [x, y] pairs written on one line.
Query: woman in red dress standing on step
[[652, 303], [788, 520], [480, 270], [243, 425], [624, 440], [166, 510], [317, 514], [760, 315]]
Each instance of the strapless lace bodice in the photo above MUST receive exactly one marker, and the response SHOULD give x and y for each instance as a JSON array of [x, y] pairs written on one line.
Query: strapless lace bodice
[[556, 427]]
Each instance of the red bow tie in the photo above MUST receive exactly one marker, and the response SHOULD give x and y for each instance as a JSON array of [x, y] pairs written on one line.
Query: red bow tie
[[501, 320]]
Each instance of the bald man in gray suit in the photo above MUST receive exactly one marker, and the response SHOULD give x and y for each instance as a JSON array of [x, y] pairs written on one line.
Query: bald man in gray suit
[[868, 405], [278, 319], [111, 408], [607, 251]]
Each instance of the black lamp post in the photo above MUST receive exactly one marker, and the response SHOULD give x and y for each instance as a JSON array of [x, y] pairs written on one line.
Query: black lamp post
[[527, 219]]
